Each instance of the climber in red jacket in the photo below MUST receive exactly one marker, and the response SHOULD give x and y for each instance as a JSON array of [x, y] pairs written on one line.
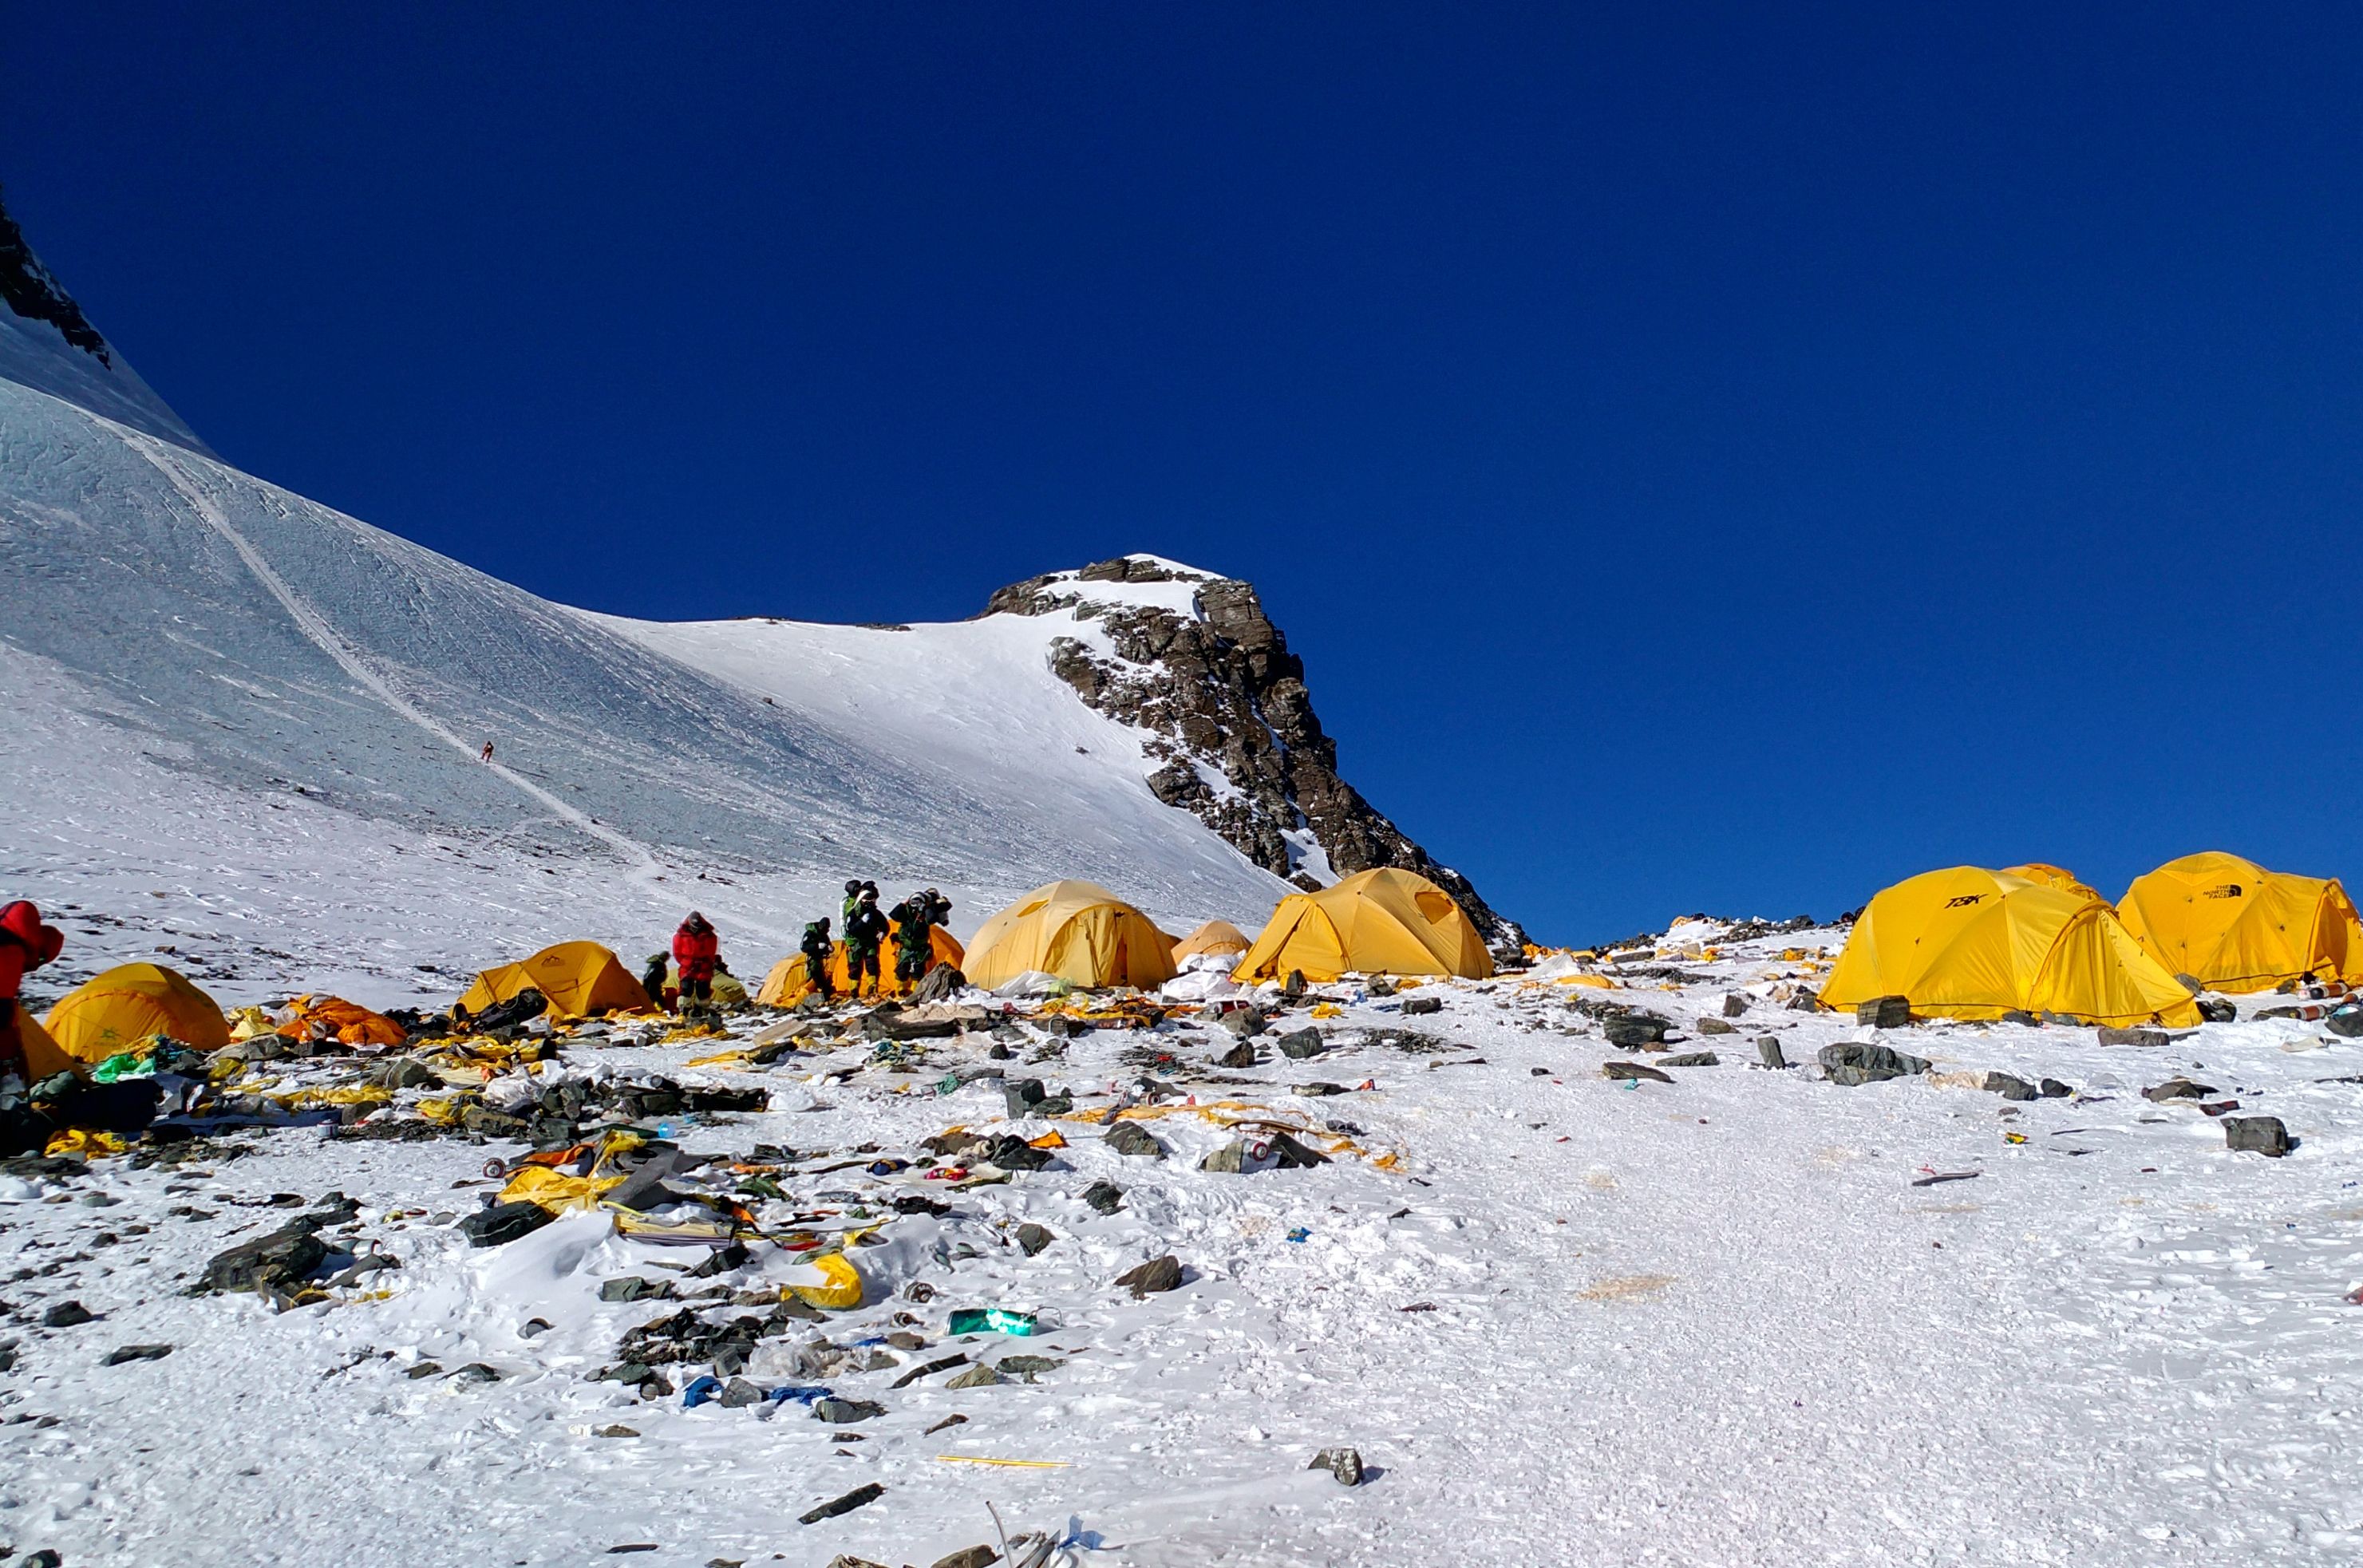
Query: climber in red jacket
[[694, 949], [25, 945]]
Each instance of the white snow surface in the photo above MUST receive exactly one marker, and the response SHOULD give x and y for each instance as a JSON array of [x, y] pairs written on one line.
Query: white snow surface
[[36, 354], [1706, 1323], [269, 712]]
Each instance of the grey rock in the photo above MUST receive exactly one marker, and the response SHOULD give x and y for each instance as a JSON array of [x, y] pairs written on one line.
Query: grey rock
[[1300, 1043], [122, 1353], [1231, 1159], [2009, 1088], [505, 1222], [1854, 1064], [1421, 1007], [1157, 1274], [1885, 1012], [2052, 1088], [1245, 1021], [2256, 1135], [2217, 1009], [630, 1287], [1133, 1141], [2134, 1037], [1020, 1096], [1714, 1026], [738, 1393], [1345, 1464], [1242, 1055], [1026, 1366], [277, 1264], [1632, 1071], [854, 1500], [979, 1377], [1805, 1001], [2020, 1016], [1033, 1238], [405, 1072], [1631, 1031], [942, 1363], [477, 1372], [1693, 1059], [67, 1315], [845, 1412], [938, 984], [1768, 1052], [1104, 1196], [1735, 1005], [2178, 1088]]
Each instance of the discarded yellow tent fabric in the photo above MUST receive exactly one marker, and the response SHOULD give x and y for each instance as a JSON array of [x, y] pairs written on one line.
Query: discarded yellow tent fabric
[[579, 977], [785, 985], [333, 1017], [1077, 930], [2050, 875], [43, 1058], [1972, 943], [1219, 937], [2230, 923], [1374, 922], [110, 1013]]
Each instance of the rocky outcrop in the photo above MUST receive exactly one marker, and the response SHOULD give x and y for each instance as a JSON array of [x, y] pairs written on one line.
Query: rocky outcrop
[[28, 290], [1228, 720]]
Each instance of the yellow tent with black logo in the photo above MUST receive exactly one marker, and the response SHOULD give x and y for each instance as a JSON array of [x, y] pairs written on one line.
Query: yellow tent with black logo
[[2051, 875], [2233, 925], [1373, 922], [1218, 936], [1972, 943], [111, 1012], [786, 984], [1077, 930], [579, 977]]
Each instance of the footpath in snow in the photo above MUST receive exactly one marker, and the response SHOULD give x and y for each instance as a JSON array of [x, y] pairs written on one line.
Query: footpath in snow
[[1722, 1315]]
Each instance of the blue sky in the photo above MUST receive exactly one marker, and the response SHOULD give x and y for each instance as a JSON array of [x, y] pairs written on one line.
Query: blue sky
[[1707, 460]]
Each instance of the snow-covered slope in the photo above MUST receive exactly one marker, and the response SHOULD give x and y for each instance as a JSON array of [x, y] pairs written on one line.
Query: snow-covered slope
[[47, 343], [259, 652]]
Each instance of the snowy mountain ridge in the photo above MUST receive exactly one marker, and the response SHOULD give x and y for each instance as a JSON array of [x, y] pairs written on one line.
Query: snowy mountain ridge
[[237, 699]]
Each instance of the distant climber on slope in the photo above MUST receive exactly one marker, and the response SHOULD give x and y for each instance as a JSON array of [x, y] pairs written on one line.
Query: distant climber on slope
[[694, 948], [865, 928], [817, 950], [486, 755]]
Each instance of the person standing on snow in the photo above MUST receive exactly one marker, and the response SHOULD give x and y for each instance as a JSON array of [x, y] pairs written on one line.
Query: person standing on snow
[[656, 978], [694, 949], [817, 950], [25, 945], [864, 930], [916, 919]]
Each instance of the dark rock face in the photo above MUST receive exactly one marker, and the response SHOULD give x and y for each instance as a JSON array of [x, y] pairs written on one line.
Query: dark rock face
[[28, 290], [1222, 694]]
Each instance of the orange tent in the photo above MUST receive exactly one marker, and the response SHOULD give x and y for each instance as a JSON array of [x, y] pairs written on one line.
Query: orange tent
[[317, 1017], [787, 985]]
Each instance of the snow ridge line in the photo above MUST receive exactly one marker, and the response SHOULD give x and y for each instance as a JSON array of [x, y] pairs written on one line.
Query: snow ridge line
[[313, 625]]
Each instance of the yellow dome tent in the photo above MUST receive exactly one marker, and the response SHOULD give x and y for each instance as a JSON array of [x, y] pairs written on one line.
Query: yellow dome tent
[[111, 1012], [579, 977], [1218, 936], [1077, 930], [1971, 943], [43, 1058], [785, 985], [2050, 875], [2231, 924], [1373, 922]]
